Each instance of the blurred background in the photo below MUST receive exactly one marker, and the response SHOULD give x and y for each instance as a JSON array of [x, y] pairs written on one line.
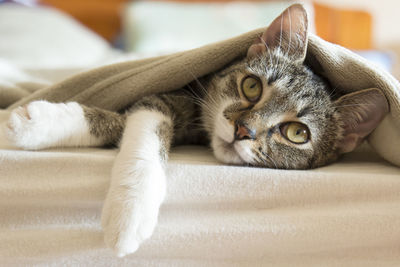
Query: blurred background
[[50, 34]]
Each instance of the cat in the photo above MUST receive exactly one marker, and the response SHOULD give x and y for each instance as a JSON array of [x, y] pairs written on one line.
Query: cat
[[267, 109]]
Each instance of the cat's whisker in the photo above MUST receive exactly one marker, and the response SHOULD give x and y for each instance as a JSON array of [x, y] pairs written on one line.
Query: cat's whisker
[[286, 163], [201, 103], [211, 108], [265, 154], [263, 161], [204, 90], [193, 91], [333, 91], [257, 157], [197, 81], [263, 157], [198, 99], [252, 155]]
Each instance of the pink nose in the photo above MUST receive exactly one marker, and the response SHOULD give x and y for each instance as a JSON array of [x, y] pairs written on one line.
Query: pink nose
[[242, 132]]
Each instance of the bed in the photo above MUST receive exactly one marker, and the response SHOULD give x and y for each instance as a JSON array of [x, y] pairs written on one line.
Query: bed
[[347, 213]]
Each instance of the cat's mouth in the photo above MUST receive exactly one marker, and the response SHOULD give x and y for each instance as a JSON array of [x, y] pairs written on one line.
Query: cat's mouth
[[224, 151], [234, 152], [243, 149], [226, 148]]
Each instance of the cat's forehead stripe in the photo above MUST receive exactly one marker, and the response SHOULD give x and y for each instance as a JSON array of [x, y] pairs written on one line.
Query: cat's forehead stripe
[[303, 112]]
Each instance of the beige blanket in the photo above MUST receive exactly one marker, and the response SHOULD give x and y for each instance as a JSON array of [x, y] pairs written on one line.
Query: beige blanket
[[117, 86]]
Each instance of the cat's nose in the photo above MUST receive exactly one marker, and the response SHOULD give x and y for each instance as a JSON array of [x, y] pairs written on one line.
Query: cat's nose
[[242, 132]]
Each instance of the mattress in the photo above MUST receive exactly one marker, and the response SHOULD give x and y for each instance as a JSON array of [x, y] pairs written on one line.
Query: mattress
[[214, 215]]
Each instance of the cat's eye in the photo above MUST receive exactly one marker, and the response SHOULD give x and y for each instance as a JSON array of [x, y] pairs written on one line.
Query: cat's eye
[[295, 132], [252, 88]]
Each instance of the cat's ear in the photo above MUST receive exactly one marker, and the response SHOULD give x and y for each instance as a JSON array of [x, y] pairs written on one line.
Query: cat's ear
[[288, 32], [360, 113]]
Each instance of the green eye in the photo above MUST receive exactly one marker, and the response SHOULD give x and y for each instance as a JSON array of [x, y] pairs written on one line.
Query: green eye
[[252, 88], [295, 132]]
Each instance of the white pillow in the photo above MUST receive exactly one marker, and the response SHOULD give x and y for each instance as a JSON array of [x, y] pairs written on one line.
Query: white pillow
[[39, 37], [152, 26]]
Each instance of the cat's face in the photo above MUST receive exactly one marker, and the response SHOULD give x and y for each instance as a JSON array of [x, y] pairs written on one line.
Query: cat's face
[[270, 110]]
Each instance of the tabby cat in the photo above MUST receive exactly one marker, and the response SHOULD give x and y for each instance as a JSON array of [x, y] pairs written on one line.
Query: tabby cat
[[267, 109]]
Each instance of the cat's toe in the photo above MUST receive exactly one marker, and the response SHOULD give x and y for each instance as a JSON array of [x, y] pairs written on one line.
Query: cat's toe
[[25, 127], [120, 244], [17, 125], [120, 229], [127, 224], [23, 113], [16, 119], [131, 208]]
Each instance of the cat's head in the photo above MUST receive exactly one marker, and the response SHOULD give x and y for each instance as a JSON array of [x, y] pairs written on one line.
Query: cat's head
[[271, 110]]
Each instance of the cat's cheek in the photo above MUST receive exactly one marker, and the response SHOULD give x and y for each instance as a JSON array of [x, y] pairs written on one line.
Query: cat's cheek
[[225, 152], [223, 129]]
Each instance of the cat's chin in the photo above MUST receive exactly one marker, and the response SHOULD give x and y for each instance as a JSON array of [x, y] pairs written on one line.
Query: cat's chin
[[243, 149], [237, 153], [225, 152]]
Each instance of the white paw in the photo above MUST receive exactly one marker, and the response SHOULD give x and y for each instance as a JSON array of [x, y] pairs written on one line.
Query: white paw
[[27, 126], [131, 208], [41, 124]]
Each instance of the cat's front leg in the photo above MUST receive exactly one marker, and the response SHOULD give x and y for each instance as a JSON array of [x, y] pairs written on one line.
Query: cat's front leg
[[41, 124], [138, 183]]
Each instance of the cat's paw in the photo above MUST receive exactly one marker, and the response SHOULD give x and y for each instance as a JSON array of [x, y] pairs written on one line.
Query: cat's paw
[[26, 127], [41, 124], [131, 209]]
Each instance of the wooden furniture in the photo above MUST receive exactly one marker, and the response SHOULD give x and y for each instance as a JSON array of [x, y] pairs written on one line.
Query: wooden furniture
[[102, 16], [349, 28]]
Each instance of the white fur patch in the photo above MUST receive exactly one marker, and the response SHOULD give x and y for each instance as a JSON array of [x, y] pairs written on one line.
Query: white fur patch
[[223, 137], [222, 128], [243, 148], [224, 151], [41, 124], [138, 185]]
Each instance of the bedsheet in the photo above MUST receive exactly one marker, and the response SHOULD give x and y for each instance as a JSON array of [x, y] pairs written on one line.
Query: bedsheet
[[214, 215]]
